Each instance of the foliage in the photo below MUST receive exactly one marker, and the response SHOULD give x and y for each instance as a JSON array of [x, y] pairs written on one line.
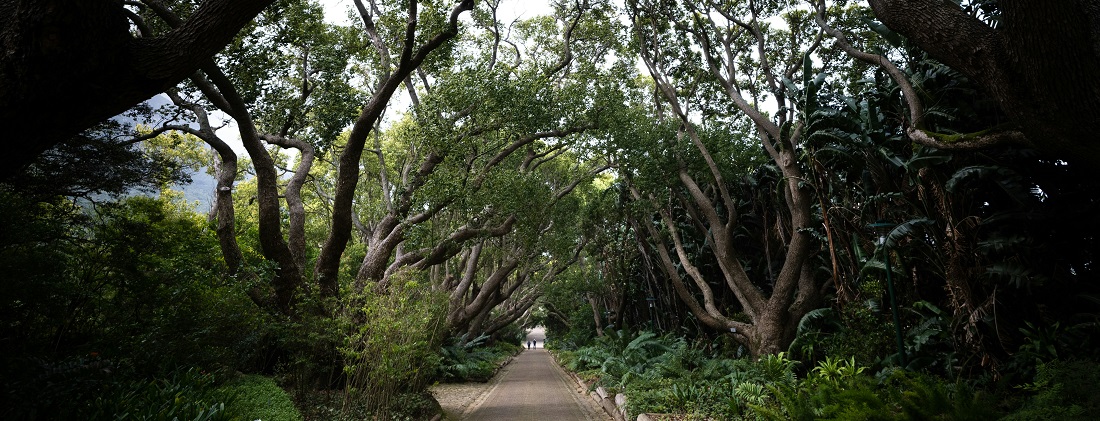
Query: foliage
[[993, 255], [898, 395], [164, 288], [334, 405], [473, 360], [856, 330], [135, 288], [685, 379], [186, 395], [392, 342], [138, 290], [257, 397], [96, 165], [1062, 390], [97, 389], [666, 374]]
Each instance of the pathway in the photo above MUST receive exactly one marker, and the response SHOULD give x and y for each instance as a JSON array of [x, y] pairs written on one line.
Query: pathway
[[533, 387]]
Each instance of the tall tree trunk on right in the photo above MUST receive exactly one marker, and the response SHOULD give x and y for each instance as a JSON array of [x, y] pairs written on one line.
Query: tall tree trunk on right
[[1039, 64]]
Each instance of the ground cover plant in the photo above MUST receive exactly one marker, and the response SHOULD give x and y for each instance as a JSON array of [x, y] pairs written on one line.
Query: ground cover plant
[[473, 360], [670, 375]]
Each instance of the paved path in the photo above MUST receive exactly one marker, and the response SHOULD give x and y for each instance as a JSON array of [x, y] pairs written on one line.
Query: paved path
[[533, 387]]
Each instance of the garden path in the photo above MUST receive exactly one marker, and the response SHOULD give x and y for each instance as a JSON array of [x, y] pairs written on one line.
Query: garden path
[[534, 387]]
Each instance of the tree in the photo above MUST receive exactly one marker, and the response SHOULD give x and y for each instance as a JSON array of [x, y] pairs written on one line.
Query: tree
[[67, 66], [411, 54], [1041, 75], [465, 185], [740, 60], [234, 95]]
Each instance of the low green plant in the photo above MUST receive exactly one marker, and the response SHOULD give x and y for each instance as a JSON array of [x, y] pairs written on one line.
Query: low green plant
[[667, 374], [850, 394], [472, 360], [1062, 390], [186, 395], [96, 389], [854, 330], [777, 368], [257, 397], [838, 370]]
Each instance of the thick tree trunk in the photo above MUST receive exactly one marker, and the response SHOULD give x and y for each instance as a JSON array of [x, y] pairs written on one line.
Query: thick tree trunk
[[296, 228], [67, 65], [222, 211], [225, 213], [592, 303], [1039, 65]]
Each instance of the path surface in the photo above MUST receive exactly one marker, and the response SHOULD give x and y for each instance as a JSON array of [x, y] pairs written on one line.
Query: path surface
[[533, 387]]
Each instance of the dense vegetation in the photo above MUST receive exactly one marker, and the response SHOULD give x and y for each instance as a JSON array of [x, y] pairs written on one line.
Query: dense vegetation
[[734, 210]]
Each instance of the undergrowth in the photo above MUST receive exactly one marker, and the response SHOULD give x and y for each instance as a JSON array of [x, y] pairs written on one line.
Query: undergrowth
[[667, 374], [473, 360]]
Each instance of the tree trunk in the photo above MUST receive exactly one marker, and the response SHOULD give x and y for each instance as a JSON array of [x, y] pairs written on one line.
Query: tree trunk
[[328, 262], [66, 66], [1039, 65], [595, 314]]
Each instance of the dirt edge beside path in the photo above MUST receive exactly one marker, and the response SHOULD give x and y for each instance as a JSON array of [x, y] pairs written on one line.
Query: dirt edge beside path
[[458, 399]]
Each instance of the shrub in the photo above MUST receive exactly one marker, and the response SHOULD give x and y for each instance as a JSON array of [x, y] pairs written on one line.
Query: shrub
[[842, 391], [1063, 390], [94, 390], [392, 341], [185, 395], [259, 398], [666, 374], [472, 360]]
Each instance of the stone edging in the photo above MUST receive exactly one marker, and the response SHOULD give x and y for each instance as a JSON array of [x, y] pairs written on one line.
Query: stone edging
[[615, 406]]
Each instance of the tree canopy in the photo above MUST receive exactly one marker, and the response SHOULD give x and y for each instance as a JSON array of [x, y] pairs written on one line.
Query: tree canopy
[[432, 177]]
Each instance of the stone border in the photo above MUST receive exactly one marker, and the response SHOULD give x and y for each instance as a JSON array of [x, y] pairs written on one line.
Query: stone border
[[615, 406]]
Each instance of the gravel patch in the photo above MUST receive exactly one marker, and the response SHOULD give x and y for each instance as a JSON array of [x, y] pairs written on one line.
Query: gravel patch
[[455, 398]]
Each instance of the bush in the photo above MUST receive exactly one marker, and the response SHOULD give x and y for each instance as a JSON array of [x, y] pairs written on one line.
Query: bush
[[140, 280], [665, 374], [473, 360], [1063, 390], [392, 343], [259, 398], [838, 390], [186, 395], [94, 390]]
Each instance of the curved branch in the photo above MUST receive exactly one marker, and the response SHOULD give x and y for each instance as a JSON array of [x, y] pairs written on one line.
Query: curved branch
[[328, 262], [916, 131], [66, 66]]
